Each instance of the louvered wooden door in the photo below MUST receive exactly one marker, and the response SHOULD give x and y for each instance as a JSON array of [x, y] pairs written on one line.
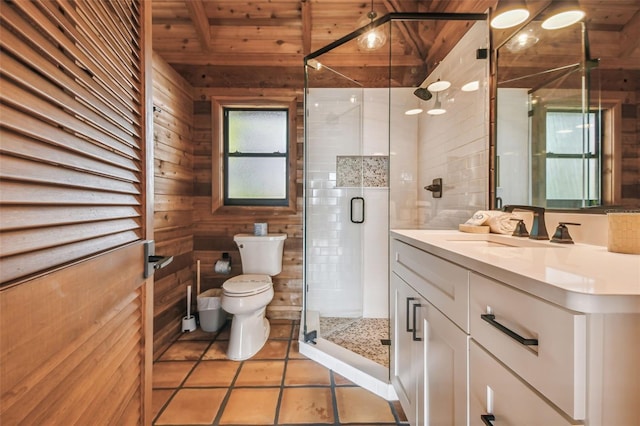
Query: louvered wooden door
[[75, 309]]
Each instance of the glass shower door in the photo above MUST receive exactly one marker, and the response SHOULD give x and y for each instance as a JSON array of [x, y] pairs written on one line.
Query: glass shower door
[[335, 208]]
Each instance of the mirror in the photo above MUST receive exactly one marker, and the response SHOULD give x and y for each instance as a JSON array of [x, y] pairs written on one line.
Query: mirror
[[566, 133]]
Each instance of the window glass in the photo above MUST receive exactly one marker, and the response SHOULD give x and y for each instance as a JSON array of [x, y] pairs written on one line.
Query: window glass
[[255, 131], [257, 178]]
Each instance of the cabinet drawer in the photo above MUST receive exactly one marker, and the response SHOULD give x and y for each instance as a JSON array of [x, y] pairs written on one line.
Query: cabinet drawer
[[554, 362], [496, 390], [443, 283]]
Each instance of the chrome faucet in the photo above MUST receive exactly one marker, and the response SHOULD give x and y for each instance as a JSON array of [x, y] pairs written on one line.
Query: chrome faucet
[[538, 229]]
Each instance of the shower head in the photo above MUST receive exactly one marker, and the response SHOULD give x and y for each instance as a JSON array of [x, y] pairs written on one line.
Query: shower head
[[423, 93]]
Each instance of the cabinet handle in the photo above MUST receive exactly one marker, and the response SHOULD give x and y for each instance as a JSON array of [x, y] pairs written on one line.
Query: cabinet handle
[[415, 338], [409, 299], [487, 419], [491, 319]]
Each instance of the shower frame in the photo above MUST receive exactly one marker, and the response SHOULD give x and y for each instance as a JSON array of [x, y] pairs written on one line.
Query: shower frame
[[308, 337]]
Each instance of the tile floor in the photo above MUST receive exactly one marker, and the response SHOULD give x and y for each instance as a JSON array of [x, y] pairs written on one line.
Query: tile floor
[[194, 384]]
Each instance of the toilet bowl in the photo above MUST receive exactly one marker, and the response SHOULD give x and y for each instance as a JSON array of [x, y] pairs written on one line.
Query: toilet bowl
[[246, 296]]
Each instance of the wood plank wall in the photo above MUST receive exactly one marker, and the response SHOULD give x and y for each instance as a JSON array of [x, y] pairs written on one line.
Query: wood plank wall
[[173, 204], [213, 233]]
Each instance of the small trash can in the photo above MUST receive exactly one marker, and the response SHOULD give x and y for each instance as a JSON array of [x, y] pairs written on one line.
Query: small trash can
[[210, 311]]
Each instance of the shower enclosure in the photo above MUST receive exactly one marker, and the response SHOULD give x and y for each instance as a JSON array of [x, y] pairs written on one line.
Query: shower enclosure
[[364, 175]]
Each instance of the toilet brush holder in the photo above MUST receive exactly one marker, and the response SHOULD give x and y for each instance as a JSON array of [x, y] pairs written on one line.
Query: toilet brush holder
[[188, 322]]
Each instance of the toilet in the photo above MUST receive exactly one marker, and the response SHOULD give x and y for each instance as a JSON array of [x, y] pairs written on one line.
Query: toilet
[[246, 296]]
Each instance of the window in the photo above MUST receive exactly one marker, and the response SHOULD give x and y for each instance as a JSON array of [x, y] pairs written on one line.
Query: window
[[573, 161], [254, 154]]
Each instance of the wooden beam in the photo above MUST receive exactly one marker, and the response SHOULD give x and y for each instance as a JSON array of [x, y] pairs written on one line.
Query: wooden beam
[[409, 34], [307, 26], [200, 22]]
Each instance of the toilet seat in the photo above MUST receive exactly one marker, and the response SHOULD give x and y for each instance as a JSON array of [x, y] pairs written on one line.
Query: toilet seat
[[246, 285]]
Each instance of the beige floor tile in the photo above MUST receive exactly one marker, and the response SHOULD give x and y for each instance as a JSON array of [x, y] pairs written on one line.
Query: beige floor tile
[[217, 350], [192, 406], [358, 405], [184, 350], [260, 373], [224, 333], [306, 405], [294, 351], [197, 334], [273, 349], [251, 406], [306, 372], [170, 374], [280, 331], [159, 397], [213, 373]]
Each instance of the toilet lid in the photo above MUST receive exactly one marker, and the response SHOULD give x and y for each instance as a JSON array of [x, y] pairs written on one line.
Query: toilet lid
[[247, 284]]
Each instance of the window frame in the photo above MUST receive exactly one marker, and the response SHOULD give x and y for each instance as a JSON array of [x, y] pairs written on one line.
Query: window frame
[[219, 165]]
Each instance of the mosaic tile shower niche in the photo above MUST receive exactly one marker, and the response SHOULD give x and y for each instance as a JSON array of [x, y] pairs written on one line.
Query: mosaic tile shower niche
[[368, 171]]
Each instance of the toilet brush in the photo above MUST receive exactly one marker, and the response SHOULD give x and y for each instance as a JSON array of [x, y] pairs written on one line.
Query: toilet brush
[[188, 322]]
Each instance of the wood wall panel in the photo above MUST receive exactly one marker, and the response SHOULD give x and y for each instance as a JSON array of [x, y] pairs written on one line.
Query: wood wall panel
[[173, 202], [213, 233]]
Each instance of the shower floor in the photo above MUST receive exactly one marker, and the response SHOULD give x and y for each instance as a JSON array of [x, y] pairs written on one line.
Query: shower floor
[[359, 335]]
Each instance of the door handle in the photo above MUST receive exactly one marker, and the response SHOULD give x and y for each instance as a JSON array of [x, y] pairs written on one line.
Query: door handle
[[151, 261], [415, 328], [354, 199], [409, 299]]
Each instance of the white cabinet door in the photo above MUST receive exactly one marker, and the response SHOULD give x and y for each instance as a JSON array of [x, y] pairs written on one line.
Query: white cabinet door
[[429, 360], [443, 355], [405, 372], [495, 391]]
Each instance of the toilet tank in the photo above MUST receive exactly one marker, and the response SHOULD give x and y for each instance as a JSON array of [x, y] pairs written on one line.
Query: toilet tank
[[261, 254]]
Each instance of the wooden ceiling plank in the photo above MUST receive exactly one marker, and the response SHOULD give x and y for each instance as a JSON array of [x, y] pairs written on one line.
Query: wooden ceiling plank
[[408, 33], [200, 21]]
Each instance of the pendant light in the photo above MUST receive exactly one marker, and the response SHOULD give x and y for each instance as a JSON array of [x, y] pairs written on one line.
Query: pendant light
[[375, 38], [437, 107], [562, 15], [509, 13]]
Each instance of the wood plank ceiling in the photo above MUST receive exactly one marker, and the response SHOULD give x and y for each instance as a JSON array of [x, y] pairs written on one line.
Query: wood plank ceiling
[[262, 43]]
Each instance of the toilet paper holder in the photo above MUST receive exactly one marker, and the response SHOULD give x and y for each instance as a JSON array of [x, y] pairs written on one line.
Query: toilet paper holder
[[223, 265]]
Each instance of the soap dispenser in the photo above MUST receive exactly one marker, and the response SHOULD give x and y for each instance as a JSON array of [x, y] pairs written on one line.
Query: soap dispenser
[[561, 235]]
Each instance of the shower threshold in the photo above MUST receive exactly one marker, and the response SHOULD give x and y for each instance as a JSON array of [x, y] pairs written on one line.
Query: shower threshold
[[360, 370]]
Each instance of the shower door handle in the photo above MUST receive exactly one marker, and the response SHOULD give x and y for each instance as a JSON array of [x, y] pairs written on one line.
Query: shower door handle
[[353, 201]]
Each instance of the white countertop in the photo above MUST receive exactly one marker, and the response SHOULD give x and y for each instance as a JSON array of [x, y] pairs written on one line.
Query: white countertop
[[580, 277]]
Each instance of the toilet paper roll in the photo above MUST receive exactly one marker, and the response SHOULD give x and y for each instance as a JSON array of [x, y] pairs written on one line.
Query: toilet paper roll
[[222, 267], [260, 229]]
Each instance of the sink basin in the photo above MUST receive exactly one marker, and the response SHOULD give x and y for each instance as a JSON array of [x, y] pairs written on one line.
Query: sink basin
[[499, 241]]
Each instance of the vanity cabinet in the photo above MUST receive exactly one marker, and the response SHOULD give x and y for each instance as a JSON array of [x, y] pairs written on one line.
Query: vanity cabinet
[[476, 343], [429, 350]]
